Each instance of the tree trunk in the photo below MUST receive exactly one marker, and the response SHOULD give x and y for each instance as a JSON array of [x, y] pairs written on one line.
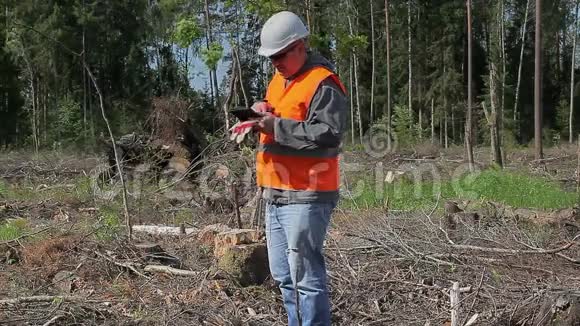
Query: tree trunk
[[468, 122], [523, 40], [351, 92], [410, 55], [538, 83], [240, 77], [358, 113], [445, 100], [572, 71], [216, 88], [388, 37], [228, 101], [440, 130], [83, 59], [503, 62], [432, 121], [493, 117], [452, 124], [34, 114], [45, 117], [33, 98], [212, 73], [356, 84], [307, 4], [420, 109], [446, 132], [372, 61]]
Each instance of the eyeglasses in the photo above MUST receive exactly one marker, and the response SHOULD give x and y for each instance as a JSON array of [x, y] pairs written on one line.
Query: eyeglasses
[[282, 55]]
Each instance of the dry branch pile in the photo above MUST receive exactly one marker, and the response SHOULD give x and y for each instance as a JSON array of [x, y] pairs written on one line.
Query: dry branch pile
[[393, 269]]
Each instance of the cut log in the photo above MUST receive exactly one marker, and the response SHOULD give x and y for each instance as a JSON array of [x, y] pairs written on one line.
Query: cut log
[[170, 270], [163, 230]]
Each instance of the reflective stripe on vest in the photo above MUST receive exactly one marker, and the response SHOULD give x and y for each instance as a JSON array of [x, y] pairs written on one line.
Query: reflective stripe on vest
[[285, 168]]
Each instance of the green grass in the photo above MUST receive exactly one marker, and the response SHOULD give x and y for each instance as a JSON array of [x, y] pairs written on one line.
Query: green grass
[[183, 216], [27, 191], [109, 223], [3, 189], [510, 188], [13, 229]]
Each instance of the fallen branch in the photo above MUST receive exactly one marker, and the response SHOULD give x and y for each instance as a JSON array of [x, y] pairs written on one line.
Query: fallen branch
[[472, 320], [474, 317], [465, 289], [454, 298], [170, 270], [88, 209], [41, 298], [570, 259], [550, 159], [353, 248], [52, 320], [128, 266], [519, 252]]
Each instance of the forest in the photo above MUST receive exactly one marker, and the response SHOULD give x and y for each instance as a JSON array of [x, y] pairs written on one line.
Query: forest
[[124, 201], [406, 65]]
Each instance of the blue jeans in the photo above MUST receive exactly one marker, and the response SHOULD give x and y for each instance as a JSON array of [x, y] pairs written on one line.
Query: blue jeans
[[295, 234]]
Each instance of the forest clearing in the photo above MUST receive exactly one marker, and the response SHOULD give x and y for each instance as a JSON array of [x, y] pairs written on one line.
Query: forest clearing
[[289, 162], [67, 258]]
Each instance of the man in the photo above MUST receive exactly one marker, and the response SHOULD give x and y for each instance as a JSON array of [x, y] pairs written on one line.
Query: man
[[304, 118]]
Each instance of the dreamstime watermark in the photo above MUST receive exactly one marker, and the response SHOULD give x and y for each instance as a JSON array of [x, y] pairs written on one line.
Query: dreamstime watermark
[[415, 179]]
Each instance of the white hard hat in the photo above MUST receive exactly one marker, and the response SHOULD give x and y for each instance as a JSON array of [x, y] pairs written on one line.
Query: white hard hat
[[279, 31]]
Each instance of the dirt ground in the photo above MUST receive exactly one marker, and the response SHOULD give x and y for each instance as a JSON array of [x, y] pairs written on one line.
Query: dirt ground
[[73, 264]]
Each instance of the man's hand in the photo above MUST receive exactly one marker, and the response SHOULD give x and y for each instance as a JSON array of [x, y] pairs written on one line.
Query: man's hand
[[266, 124], [262, 107]]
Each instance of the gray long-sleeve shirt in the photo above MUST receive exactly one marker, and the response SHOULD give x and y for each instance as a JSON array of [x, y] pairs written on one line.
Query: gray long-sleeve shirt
[[323, 128]]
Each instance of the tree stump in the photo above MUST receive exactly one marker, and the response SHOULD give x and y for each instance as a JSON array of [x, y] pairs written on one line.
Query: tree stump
[[247, 264], [559, 309], [242, 254]]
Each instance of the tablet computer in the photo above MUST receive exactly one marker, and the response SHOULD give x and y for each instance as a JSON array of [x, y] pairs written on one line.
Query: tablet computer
[[244, 114]]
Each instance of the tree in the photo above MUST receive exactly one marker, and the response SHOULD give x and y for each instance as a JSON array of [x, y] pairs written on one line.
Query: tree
[[521, 62], [373, 62], [410, 37], [572, 72], [468, 121], [538, 83], [495, 58], [388, 59]]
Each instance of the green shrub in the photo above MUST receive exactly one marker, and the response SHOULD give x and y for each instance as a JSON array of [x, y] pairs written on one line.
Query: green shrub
[[404, 127], [70, 124], [109, 224]]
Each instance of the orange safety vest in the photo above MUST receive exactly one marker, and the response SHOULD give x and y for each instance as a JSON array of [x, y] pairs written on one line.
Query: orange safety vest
[[285, 168]]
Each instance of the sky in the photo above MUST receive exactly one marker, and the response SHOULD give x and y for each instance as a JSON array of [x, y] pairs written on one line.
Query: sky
[[199, 73]]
